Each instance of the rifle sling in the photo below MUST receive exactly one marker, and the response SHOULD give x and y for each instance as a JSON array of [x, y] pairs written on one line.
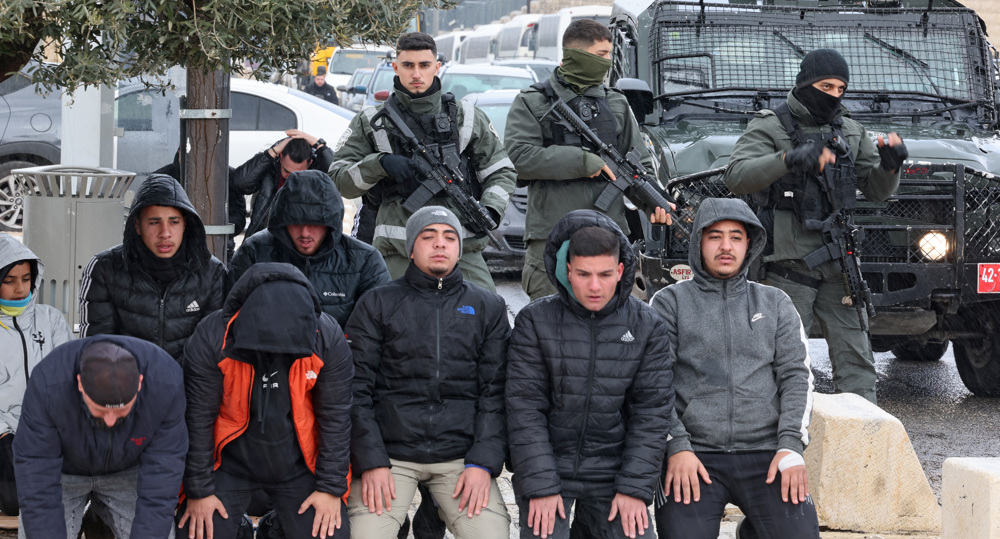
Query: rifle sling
[[791, 275]]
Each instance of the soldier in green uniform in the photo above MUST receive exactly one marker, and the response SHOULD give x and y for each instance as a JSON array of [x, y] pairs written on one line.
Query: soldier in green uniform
[[784, 178], [369, 158], [560, 172]]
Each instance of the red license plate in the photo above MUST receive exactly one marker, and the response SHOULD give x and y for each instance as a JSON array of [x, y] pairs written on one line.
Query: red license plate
[[989, 278]]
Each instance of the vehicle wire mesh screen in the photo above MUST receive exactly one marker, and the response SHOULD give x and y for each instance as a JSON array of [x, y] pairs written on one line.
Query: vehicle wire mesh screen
[[898, 229], [712, 46]]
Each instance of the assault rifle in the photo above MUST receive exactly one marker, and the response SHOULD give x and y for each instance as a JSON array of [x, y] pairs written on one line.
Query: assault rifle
[[628, 169], [841, 238], [439, 176]]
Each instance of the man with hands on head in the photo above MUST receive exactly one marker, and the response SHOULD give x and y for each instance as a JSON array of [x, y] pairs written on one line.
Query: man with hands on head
[[589, 390], [743, 385], [430, 352], [263, 174]]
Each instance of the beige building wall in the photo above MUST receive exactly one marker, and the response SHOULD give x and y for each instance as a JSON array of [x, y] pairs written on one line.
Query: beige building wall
[[989, 10]]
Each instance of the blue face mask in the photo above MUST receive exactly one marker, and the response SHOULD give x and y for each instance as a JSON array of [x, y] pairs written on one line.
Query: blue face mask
[[15, 308]]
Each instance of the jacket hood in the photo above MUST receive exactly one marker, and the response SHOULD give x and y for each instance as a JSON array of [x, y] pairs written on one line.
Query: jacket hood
[[308, 197], [713, 210], [12, 251], [276, 310], [564, 229], [162, 190]]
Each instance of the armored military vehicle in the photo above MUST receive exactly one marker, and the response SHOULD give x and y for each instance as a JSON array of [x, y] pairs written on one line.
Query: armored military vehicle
[[921, 68]]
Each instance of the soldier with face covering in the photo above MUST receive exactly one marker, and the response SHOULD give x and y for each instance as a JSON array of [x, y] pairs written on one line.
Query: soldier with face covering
[[779, 159]]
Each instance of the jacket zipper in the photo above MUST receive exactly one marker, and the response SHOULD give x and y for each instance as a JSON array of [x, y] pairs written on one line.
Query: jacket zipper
[[24, 346], [107, 453], [437, 355], [729, 363], [590, 390]]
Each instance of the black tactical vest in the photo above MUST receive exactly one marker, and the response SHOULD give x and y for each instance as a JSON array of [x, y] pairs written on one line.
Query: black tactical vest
[[439, 132], [811, 197], [595, 112]]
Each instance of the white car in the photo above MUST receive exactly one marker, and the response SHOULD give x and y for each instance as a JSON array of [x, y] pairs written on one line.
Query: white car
[[149, 130]]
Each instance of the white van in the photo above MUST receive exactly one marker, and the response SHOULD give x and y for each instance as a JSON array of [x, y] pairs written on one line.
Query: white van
[[479, 47], [345, 61], [449, 44], [517, 39], [551, 28]]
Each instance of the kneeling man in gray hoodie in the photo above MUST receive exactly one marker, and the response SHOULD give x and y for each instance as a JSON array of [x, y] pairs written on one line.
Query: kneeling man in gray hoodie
[[743, 390]]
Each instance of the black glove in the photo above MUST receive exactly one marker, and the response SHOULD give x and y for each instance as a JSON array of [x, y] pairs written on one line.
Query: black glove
[[399, 168], [892, 156], [804, 159]]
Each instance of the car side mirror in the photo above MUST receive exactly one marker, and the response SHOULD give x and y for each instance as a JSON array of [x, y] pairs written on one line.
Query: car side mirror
[[359, 90], [342, 88], [381, 95], [639, 96]]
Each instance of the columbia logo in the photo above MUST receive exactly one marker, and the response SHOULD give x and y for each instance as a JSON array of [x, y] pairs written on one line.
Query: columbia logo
[[310, 375], [193, 307], [466, 309], [627, 337], [334, 294], [756, 317]]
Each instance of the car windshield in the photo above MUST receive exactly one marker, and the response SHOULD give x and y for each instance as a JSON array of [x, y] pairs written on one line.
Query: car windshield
[[462, 84], [383, 80], [759, 48], [346, 61], [497, 113]]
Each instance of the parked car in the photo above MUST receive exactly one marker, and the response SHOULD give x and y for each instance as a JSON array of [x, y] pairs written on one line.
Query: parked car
[[150, 130], [496, 104], [931, 253], [380, 84], [356, 88], [542, 68], [345, 61], [462, 80], [29, 137]]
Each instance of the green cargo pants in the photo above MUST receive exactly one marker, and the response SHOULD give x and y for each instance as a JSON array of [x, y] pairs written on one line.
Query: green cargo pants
[[850, 347]]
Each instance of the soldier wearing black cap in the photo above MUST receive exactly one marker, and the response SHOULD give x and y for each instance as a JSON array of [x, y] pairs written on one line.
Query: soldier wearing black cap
[[783, 176], [102, 423]]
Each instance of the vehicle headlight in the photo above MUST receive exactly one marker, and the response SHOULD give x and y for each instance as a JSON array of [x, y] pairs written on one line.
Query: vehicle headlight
[[934, 246]]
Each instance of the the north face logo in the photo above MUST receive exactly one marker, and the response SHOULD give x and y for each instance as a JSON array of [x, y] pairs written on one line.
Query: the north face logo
[[311, 375], [138, 441], [467, 309], [627, 337], [193, 307]]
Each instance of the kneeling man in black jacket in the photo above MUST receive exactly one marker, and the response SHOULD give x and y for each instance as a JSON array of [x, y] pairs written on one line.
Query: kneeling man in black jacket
[[589, 390], [268, 383], [430, 352]]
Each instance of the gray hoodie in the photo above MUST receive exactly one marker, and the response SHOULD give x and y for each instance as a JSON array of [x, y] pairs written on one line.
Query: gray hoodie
[[25, 339], [741, 374]]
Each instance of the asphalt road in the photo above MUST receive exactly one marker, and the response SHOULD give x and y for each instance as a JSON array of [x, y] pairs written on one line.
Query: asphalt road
[[942, 418]]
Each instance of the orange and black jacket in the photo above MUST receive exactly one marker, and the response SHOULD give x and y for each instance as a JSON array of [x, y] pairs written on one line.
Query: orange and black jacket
[[272, 308]]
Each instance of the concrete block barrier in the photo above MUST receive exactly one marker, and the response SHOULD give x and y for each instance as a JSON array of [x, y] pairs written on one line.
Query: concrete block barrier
[[970, 498], [863, 473]]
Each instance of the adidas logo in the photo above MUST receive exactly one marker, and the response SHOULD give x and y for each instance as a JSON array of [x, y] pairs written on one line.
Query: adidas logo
[[756, 317], [193, 307], [627, 337]]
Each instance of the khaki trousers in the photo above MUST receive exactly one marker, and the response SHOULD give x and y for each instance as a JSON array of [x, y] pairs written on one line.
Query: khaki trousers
[[440, 478]]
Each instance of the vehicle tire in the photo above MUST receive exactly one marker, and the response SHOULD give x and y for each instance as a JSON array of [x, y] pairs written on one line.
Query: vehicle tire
[[979, 365], [915, 351], [11, 198]]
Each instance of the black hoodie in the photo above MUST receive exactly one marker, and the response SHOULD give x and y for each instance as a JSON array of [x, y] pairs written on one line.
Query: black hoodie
[[119, 294], [588, 394], [341, 269]]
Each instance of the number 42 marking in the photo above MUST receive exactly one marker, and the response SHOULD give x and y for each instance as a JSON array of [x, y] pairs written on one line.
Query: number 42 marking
[[989, 279]]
